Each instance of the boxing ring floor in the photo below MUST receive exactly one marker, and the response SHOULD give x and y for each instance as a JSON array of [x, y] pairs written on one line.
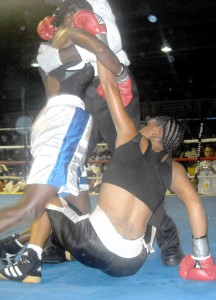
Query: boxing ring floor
[[71, 280]]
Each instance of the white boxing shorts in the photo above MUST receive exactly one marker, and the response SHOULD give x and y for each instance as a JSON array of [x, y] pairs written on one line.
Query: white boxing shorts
[[59, 142]]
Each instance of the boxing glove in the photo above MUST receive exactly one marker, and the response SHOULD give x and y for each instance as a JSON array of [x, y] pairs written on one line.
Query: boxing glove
[[92, 23], [192, 269], [125, 87], [46, 29]]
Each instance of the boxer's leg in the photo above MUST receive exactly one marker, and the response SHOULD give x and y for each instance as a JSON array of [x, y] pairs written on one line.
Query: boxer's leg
[[53, 252], [9, 248], [28, 268]]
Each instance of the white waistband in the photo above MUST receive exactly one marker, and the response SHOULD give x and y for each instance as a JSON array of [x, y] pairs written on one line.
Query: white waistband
[[111, 239], [65, 99]]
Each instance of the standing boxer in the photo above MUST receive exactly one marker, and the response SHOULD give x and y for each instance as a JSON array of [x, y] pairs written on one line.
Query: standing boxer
[[59, 140]]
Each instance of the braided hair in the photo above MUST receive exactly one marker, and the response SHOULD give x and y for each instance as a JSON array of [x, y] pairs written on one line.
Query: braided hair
[[173, 132], [69, 6]]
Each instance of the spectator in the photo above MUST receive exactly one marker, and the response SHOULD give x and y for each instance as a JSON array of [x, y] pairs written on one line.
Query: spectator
[[208, 167], [191, 167], [3, 170]]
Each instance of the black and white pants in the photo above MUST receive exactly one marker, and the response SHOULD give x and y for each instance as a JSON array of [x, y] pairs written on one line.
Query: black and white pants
[[94, 242]]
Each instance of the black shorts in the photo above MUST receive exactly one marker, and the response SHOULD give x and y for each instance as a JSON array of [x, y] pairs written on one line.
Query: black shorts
[[93, 241]]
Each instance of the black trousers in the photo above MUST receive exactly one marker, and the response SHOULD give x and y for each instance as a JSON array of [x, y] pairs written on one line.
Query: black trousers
[[103, 127], [166, 234]]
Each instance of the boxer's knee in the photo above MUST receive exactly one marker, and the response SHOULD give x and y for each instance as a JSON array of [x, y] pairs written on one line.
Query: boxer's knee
[[55, 201]]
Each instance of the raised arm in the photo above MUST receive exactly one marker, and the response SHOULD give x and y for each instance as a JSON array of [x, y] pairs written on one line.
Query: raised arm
[[67, 36], [124, 125], [83, 19]]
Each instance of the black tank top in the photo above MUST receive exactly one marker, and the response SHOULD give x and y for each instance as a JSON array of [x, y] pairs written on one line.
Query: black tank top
[[143, 175], [73, 82]]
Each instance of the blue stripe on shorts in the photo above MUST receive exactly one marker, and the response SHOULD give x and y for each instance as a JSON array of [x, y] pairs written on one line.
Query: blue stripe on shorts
[[75, 131]]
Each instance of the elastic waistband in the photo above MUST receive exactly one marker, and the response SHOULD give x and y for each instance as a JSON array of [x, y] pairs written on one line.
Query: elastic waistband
[[65, 99], [111, 239]]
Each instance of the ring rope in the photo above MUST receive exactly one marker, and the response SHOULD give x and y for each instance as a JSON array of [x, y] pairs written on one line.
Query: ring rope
[[12, 177], [14, 147], [14, 162], [198, 119], [183, 159], [17, 128], [198, 152], [195, 141]]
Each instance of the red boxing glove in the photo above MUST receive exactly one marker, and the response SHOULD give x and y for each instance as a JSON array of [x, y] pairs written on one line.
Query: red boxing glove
[[203, 270], [125, 89], [91, 22], [46, 29], [100, 91], [125, 86]]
